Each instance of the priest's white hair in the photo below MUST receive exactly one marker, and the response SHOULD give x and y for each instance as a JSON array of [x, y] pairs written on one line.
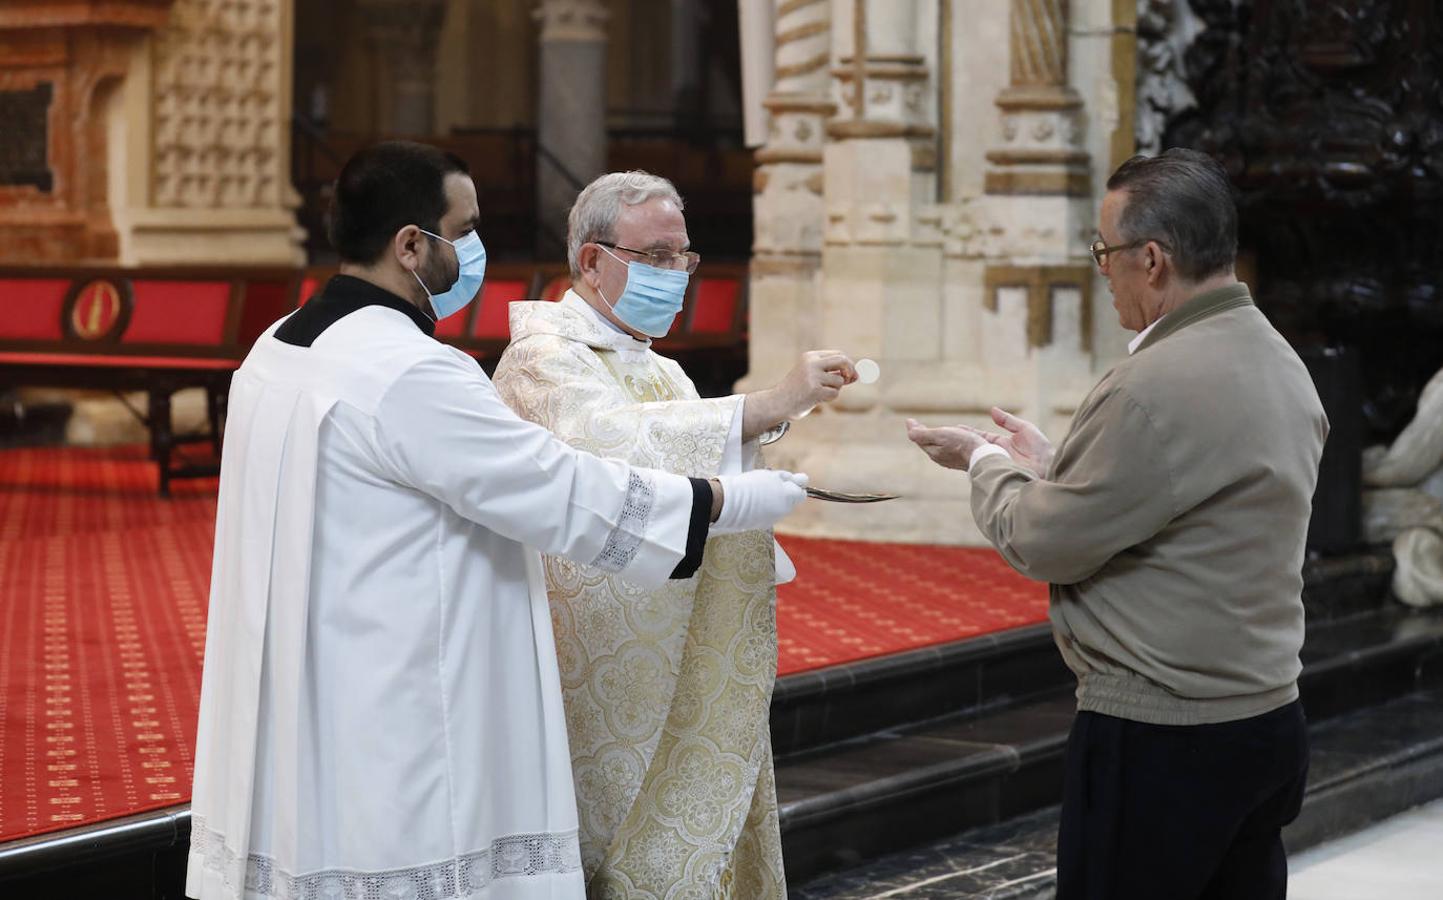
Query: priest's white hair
[[593, 215]]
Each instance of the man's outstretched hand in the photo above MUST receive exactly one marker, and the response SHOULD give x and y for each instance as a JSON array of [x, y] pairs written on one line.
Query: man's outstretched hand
[[1023, 441], [950, 446]]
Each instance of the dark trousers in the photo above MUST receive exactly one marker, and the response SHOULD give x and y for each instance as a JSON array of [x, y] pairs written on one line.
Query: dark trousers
[[1156, 812]]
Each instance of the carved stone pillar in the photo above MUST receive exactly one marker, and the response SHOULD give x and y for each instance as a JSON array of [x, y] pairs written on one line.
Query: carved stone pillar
[[1019, 282], [965, 301], [1038, 279], [571, 131], [878, 291], [1041, 151], [206, 115], [404, 34], [881, 81], [61, 66], [787, 202], [169, 126]]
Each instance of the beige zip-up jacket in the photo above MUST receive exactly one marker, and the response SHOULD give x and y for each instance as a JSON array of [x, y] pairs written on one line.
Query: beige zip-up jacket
[[1172, 524]]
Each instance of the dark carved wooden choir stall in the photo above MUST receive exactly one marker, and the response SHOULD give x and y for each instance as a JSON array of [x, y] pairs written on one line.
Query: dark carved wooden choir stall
[[1328, 114]]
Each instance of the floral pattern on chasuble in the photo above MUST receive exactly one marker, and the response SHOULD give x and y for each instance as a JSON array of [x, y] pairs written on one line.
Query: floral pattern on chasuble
[[667, 691]]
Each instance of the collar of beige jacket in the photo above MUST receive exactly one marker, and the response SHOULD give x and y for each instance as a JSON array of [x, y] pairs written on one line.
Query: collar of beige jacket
[[1200, 307]]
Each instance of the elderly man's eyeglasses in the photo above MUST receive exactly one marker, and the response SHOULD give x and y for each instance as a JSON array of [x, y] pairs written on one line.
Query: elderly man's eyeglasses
[[1100, 249], [662, 259]]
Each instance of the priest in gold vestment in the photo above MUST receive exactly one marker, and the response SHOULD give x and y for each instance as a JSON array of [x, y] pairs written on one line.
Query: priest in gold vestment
[[667, 692]]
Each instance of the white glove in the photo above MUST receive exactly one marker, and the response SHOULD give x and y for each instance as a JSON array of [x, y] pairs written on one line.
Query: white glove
[[757, 499]]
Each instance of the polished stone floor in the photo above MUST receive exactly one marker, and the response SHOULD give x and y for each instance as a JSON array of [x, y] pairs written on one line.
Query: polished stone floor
[[1399, 859], [1010, 860]]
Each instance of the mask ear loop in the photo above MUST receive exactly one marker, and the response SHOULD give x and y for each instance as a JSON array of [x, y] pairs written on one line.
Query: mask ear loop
[[604, 299], [430, 313], [427, 309]]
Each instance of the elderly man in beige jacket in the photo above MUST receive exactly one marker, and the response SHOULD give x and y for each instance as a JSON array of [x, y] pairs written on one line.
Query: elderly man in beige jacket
[[1171, 525]]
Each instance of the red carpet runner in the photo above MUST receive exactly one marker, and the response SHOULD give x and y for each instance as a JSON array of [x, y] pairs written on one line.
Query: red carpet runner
[[103, 591]]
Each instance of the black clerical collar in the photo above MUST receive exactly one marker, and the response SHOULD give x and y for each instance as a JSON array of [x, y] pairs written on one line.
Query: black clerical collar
[[343, 295]]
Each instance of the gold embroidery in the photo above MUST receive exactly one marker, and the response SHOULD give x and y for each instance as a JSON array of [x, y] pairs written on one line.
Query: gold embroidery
[[668, 691]]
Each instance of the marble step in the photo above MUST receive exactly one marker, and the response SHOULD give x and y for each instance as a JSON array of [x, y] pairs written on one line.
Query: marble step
[[997, 671], [1012, 679], [993, 671], [1367, 765], [874, 794]]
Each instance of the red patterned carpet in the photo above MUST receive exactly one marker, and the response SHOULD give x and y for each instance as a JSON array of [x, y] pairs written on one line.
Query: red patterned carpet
[[852, 600], [101, 636], [103, 591]]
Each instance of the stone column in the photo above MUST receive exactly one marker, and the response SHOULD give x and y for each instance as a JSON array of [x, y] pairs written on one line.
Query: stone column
[[788, 208], [168, 132], [1028, 236], [1041, 123], [571, 124], [404, 34], [977, 298], [1041, 183], [878, 291], [205, 120], [880, 83]]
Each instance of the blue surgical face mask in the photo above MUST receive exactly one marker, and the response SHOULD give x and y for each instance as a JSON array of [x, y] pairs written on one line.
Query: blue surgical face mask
[[651, 299], [471, 263]]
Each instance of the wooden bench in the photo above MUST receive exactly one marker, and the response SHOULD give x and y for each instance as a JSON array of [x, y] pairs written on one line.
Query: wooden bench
[[152, 330], [164, 329], [709, 339]]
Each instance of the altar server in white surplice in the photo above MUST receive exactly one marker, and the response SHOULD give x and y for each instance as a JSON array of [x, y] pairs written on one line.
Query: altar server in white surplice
[[667, 689], [381, 712]]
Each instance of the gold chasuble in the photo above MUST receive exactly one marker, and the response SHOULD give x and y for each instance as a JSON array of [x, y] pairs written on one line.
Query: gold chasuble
[[667, 692]]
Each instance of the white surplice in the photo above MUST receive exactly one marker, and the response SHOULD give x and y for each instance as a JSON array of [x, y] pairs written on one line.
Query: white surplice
[[380, 712]]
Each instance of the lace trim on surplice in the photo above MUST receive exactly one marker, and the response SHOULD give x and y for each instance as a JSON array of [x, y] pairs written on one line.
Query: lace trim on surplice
[[512, 856], [625, 538]]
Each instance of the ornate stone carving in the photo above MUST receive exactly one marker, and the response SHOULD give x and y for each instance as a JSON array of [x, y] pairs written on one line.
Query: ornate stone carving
[[1041, 113], [798, 102], [1329, 117], [1039, 43], [58, 211], [881, 84], [788, 219], [218, 106], [1041, 283], [1165, 28]]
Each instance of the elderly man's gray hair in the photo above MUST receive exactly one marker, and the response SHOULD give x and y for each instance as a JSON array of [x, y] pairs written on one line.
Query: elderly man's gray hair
[[1183, 199], [593, 215]]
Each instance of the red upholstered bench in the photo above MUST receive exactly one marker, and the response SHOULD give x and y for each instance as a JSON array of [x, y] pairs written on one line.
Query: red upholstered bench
[[482, 329], [155, 330], [709, 339]]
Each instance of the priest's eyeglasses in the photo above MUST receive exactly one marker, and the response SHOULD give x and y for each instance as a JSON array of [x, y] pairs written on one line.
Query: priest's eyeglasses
[[662, 259], [1100, 249]]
